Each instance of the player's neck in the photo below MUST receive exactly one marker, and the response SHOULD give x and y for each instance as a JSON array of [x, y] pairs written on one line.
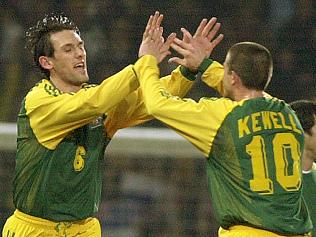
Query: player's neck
[[246, 94], [307, 160], [64, 86]]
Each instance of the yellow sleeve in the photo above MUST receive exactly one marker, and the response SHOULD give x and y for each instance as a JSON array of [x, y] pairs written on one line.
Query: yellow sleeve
[[198, 122], [132, 111], [213, 77], [53, 114]]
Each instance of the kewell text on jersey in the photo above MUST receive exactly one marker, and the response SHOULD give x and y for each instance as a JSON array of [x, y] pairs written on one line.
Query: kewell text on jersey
[[264, 120]]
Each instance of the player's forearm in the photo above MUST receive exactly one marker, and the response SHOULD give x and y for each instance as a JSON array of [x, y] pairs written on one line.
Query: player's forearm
[[178, 82], [100, 99], [147, 72], [213, 75]]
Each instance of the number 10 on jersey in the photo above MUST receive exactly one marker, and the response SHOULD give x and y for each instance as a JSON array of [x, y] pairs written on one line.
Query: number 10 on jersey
[[286, 152]]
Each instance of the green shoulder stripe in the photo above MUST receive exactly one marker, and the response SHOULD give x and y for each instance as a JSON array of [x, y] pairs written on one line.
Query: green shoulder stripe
[[51, 90]]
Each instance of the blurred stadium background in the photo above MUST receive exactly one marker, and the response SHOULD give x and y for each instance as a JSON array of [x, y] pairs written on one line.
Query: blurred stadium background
[[154, 182]]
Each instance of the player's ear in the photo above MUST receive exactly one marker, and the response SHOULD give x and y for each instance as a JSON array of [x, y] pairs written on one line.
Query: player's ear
[[45, 62], [235, 78]]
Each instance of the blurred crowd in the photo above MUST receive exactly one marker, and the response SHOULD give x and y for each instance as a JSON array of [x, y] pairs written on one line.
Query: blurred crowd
[[142, 196], [112, 32]]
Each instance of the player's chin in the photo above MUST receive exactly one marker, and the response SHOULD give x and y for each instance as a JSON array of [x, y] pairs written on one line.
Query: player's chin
[[83, 78]]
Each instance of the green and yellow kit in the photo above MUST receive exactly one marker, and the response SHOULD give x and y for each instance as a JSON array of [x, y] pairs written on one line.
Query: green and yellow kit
[[62, 138], [309, 193], [253, 149]]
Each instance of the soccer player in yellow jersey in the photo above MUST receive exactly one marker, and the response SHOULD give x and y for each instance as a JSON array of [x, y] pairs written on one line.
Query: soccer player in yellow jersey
[[306, 112], [252, 142], [64, 126]]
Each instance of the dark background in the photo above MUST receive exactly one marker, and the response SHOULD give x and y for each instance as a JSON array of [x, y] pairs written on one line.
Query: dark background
[[112, 31]]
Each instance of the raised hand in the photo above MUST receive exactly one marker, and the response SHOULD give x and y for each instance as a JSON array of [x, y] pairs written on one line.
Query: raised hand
[[195, 49], [154, 22], [153, 42]]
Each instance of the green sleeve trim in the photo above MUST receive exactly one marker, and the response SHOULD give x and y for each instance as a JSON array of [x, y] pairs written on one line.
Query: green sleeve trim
[[204, 65], [187, 73]]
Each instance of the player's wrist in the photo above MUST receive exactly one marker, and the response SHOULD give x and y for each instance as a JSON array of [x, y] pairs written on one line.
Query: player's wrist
[[186, 72], [204, 65]]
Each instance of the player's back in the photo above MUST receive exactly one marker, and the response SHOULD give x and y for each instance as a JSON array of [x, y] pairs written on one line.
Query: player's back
[[254, 168]]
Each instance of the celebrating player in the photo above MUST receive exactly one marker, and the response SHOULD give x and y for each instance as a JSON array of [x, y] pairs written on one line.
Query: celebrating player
[[252, 142], [64, 126]]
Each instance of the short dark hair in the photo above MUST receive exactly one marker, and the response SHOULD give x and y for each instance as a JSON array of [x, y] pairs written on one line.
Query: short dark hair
[[253, 64], [306, 113], [38, 37]]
